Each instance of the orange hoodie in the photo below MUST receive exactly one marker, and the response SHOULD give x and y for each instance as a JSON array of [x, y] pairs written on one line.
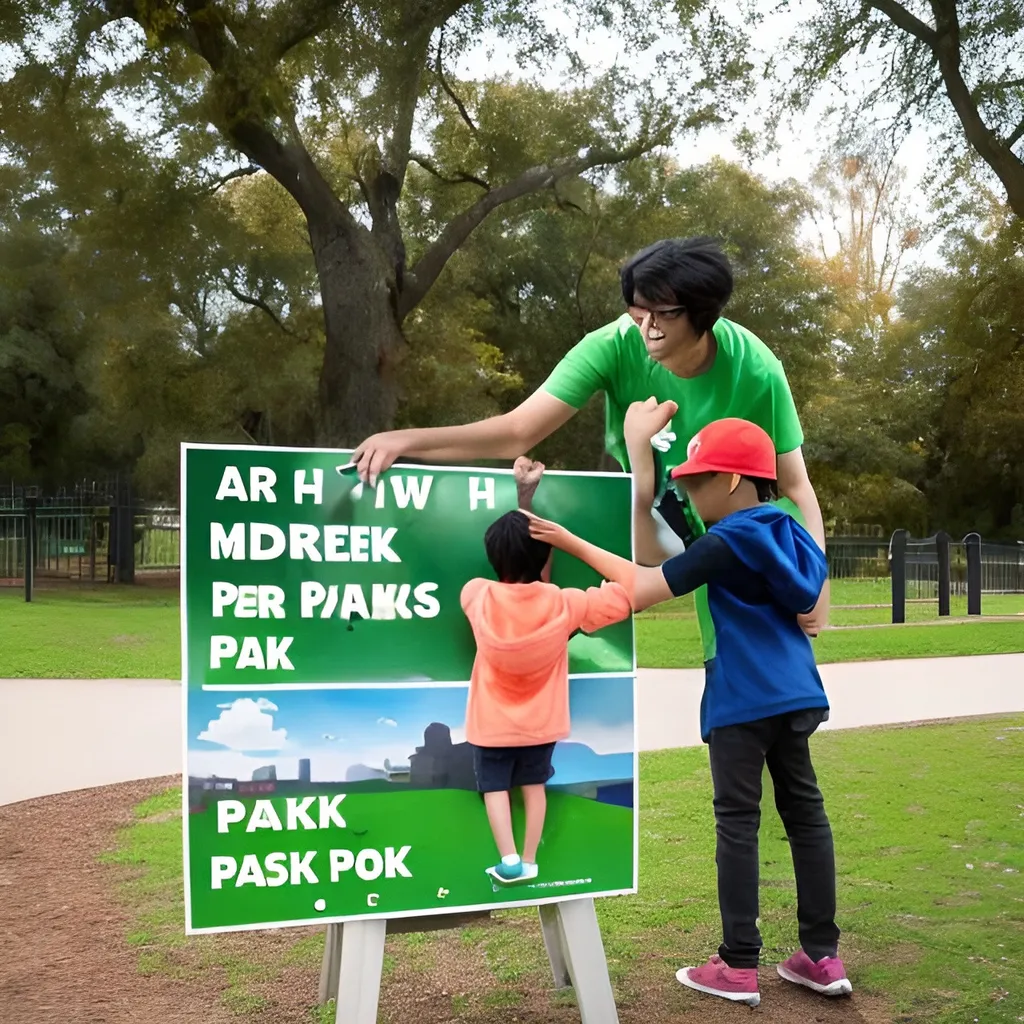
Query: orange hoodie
[[519, 692]]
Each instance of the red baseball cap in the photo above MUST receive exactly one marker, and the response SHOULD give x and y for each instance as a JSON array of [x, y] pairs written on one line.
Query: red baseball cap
[[730, 446]]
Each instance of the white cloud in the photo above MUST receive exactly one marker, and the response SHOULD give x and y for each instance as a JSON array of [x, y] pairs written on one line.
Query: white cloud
[[246, 724], [604, 739], [388, 721]]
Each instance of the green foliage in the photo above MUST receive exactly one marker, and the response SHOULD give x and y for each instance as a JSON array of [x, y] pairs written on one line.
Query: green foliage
[[43, 341], [970, 318], [868, 425], [951, 64]]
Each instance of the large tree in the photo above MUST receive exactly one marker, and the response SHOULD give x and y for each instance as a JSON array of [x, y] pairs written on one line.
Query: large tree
[[955, 64], [334, 99]]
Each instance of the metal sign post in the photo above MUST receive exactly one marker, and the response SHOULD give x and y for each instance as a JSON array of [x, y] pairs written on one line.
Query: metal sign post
[[354, 958]]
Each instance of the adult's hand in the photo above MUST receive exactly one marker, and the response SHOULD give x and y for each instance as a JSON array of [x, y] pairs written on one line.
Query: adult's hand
[[501, 437], [377, 454], [817, 619], [795, 484]]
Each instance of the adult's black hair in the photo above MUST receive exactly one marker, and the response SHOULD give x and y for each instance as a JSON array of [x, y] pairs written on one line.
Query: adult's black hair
[[689, 272], [514, 555], [767, 490]]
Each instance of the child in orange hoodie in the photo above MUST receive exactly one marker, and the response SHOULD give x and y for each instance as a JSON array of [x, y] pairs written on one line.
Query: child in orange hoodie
[[519, 692]]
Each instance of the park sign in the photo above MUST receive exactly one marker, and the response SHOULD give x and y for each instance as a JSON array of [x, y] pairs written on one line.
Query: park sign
[[326, 664]]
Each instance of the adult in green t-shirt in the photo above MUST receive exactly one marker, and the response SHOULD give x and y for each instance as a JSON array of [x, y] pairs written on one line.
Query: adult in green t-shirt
[[672, 345]]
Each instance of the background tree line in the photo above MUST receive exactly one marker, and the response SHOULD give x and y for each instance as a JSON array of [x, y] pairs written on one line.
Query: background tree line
[[320, 231]]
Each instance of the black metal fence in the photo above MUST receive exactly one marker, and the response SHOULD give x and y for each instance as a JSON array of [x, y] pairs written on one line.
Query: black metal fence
[[938, 568], [1002, 567], [92, 532], [857, 557]]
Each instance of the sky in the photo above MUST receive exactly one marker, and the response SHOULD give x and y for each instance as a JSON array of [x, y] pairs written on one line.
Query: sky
[[232, 734]]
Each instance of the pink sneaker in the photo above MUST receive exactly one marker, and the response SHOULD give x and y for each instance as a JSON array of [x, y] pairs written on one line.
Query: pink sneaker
[[827, 976], [716, 978]]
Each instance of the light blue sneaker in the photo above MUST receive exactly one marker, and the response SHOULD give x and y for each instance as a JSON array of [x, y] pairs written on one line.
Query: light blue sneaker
[[512, 871]]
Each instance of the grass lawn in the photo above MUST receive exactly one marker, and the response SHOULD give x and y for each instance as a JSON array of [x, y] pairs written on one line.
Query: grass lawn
[[109, 632], [132, 632], [674, 642], [931, 892]]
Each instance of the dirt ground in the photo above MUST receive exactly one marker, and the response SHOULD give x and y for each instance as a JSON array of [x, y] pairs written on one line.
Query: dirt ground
[[64, 959]]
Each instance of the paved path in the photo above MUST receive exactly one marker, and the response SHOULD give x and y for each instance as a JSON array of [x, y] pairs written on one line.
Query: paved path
[[63, 734], [861, 693]]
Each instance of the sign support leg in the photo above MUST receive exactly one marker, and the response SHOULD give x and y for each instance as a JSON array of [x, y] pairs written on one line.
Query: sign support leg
[[554, 943], [588, 968], [354, 958], [361, 960], [331, 964]]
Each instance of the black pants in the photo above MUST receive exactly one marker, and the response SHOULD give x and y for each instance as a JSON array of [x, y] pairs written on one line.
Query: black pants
[[738, 756]]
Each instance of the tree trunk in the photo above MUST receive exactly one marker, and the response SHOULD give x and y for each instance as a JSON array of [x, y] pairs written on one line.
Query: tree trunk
[[358, 390]]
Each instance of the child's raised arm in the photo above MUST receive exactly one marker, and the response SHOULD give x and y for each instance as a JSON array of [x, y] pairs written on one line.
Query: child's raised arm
[[708, 559], [644, 421], [645, 585], [527, 475]]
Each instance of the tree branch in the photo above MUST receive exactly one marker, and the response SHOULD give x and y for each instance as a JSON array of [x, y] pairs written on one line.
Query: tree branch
[[404, 77], [439, 70], [598, 223], [422, 277], [251, 300], [288, 25], [987, 89], [460, 178], [902, 18], [238, 172], [1015, 136]]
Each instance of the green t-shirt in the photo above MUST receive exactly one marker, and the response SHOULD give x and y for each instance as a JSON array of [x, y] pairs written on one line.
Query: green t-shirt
[[746, 380]]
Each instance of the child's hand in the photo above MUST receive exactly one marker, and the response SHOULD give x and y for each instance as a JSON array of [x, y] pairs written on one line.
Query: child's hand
[[551, 533], [646, 419], [527, 473], [527, 476]]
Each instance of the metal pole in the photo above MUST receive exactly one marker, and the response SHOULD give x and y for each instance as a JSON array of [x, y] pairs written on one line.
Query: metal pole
[[30, 547], [972, 542], [942, 541], [898, 572]]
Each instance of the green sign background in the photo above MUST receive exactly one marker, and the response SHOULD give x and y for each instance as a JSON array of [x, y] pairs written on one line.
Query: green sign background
[[442, 544], [590, 833]]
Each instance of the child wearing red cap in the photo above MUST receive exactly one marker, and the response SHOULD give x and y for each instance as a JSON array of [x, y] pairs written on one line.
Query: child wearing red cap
[[763, 696]]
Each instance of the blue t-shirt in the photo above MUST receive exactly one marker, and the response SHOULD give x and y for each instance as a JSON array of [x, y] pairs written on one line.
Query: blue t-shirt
[[762, 569]]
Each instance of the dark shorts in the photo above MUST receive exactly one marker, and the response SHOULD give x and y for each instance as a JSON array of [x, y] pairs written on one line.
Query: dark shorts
[[499, 769]]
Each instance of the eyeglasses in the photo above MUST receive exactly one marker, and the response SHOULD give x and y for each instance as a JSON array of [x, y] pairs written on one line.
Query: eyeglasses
[[664, 315]]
